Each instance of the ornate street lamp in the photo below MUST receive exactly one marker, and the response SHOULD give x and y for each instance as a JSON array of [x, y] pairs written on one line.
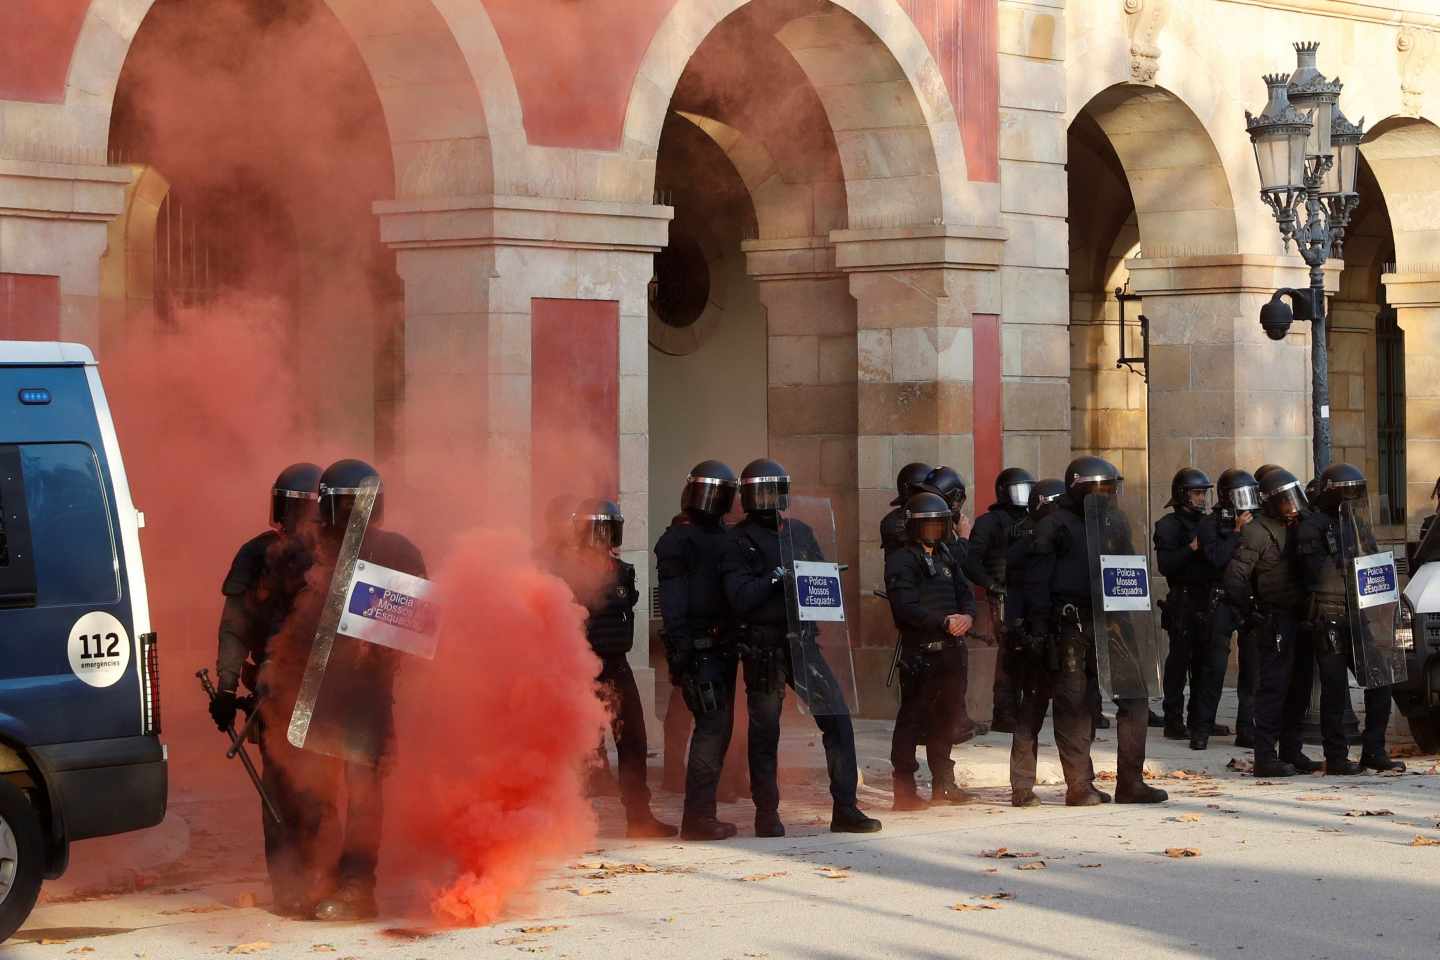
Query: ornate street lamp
[[1307, 152]]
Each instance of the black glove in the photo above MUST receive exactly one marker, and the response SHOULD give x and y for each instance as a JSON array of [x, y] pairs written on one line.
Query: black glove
[[681, 660], [777, 576], [222, 709]]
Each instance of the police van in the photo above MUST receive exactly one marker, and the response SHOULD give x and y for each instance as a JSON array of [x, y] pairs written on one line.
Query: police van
[[80, 752]]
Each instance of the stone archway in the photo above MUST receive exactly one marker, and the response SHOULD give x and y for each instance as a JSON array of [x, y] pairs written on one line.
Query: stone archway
[[1404, 155]]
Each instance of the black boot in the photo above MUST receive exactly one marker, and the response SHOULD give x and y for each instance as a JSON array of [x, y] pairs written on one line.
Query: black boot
[[1156, 720], [1102, 722], [707, 828], [642, 825], [1380, 763], [1199, 742], [350, 902], [1002, 723], [1245, 739], [1220, 730], [1273, 767], [946, 790], [1342, 767], [1024, 798], [1176, 730], [1084, 795], [768, 824], [907, 798], [852, 820], [1139, 792], [1302, 763]]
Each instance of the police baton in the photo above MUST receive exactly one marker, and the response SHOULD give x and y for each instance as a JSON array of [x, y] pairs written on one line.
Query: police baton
[[237, 748], [252, 716], [895, 657]]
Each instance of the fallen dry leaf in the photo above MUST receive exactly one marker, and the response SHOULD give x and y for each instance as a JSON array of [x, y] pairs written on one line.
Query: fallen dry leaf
[[1184, 818], [607, 870], [1316, 797], [197, 908], [1422, 841], [1369, 813], [1105, 775], [323, 948], [1001, 895], [1331, 830], [1032, 865], [834, 873], [1091, 866], [245, 900], [757, 877], [52, 941], [548, 928], [992, 869], [1240, 765], [1005, 853], [259, 946], [966, 907], [1181, 853], [1189, 775], [513, 941], [592, 892], [82, 950]]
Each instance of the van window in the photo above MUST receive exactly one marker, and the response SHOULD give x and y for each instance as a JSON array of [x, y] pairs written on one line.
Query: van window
[[17, 564], [71, 536]]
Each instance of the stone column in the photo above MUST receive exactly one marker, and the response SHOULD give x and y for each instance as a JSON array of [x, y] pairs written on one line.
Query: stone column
[[53, 220], [1223, 394], [473, 268], [916, 291], [1417, 298]]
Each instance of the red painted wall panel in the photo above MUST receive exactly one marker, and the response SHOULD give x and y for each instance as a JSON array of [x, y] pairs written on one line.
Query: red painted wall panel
[[575, 64], [575, 397], [962, 37], [989, 400], [29, 307], [37, 38]]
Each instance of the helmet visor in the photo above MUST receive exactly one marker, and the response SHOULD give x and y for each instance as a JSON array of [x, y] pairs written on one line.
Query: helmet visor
[[337, 503], [1099, 486], [289, 508], [1288, 501], [708, 495], [928, 527], [759, 494], [1349, 490], [1245, 498], [1019, 493], [600, 530]]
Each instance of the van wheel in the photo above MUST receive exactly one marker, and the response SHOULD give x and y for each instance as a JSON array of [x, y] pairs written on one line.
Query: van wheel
[[22, 858], [1425, 728]]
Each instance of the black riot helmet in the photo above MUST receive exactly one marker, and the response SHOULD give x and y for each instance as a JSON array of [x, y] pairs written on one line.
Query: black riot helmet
[[1339, 482], [1044, 495], [948, 484], [764, 487], [927, 518], [1087, 475], [1280, 495], [1238, 491], [599, 523], [341, 482], [1013, 486], [293, 497], [908, 479], [709, 489], [1186, 481], [1264, 469]]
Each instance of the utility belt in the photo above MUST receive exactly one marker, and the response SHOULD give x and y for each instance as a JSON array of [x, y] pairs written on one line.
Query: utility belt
[[761, 636], [708, 638], [933, 646]]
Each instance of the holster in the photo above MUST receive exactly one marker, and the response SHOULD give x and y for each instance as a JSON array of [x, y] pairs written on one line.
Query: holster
[[1072, 641], [1329, 625], [765, 657]]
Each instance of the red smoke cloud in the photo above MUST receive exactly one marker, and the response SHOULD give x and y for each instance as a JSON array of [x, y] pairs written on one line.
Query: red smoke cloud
[[493, 733]]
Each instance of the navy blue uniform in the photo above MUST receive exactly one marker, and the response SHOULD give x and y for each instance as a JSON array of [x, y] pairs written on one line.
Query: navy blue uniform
[[1187, 620], [925, 588], [699, 646], [1219, 541], [757, 600], [985, 566]]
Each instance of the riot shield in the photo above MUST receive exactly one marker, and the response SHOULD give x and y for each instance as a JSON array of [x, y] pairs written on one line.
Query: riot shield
[[371, 615], [819, 636], [1428, 551], [1372, 592], [1127, 645]]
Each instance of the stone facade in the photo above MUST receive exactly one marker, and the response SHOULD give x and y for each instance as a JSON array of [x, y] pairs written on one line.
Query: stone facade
[[911, 169]]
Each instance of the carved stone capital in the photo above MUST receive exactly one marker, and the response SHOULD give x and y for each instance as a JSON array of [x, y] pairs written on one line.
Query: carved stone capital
[[1144, 20], [1414, 47]]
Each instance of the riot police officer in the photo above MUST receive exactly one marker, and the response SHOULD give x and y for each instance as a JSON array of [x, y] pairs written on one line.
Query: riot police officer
[[605, 585], [1031, 654], [1263, 583], [948, 483], [984, 566], [699, 643], [892, 526], [1186, 610], [1237, 497], [1324, 563], [755, 578], [1059, 605], [267, 573], [934, 608]]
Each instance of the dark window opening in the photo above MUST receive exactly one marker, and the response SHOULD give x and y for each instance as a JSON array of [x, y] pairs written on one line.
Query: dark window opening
[[1390, 377]]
